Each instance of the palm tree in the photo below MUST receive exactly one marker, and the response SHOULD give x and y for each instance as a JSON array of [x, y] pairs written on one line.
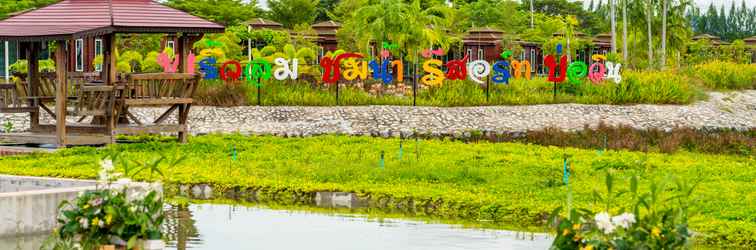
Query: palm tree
[[614, 25], [624, 31], [532, 14], [570, 21], [408, 25], [649, 14], [665, 4]]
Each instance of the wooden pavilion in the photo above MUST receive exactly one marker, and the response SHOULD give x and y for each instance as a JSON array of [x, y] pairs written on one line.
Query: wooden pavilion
[[103, 103]]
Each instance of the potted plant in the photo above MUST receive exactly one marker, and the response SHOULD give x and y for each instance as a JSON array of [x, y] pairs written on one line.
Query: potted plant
[[92, 218], [657, 219], [114, 216], [150, 209]]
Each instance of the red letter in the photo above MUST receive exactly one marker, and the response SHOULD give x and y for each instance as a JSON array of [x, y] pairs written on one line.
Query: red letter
[[550, 62], [231, 74], [457, 69], [331, 66]]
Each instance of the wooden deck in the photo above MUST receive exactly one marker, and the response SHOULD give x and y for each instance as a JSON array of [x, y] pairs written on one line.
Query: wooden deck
[[47, 138]]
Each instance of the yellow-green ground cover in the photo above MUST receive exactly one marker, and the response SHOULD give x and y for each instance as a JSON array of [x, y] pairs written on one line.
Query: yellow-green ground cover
[[506, 183]]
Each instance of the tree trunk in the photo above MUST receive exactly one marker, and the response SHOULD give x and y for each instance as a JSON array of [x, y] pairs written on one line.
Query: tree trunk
[[624, 32], [569, 51], [614, 25], [532, 14], [664, 34], [649, 13]]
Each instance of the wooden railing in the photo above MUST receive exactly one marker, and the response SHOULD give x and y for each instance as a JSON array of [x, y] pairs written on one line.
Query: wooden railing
[[159, 89]]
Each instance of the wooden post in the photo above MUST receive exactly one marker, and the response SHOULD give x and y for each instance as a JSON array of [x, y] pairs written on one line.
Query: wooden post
[[32, 78], [112, 60], [183, 53], [60, 92], [183, 114]]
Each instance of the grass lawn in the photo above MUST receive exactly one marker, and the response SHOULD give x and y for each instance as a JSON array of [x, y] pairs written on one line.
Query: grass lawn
[[507, 183]]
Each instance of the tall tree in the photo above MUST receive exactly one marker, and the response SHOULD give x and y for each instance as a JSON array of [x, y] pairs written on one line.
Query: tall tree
[[665, 4], [407, 25], [532, 14], [293, 12], [11, 6], [624, 31], [226, 12], [613, 16], [649, 37], [324, 6]]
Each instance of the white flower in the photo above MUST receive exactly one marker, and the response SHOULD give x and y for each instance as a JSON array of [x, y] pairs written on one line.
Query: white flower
[[103, 175], [95, 202], [106, 170], [107, 164], [604, 222], [136, 195], [624, 220], [84, 223]]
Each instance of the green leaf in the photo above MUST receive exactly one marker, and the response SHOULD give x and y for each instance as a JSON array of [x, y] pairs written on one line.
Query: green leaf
[[132, 241], [634, 185], [609, 182]]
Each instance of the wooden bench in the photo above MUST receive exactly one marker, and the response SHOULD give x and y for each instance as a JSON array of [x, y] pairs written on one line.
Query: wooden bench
[[48, 84], [160, 89], [174, 90], [96, 101], [12, 102]]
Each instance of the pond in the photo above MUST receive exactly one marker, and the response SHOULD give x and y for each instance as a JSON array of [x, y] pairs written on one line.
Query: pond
[[206, 226], [230, 227]]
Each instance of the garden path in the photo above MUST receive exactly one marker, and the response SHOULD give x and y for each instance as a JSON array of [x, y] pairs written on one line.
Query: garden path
[[735, 110]]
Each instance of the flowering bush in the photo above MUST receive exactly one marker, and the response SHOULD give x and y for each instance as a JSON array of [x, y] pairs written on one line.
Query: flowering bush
[[112, 214], [658, 220]]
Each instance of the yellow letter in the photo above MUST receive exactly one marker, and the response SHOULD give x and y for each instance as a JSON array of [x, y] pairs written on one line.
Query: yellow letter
[[435, 76], [355, 69]]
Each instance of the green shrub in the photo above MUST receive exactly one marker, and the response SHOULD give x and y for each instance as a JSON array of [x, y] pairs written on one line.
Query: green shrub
[[721, 75], [638, 87], [653, 219]]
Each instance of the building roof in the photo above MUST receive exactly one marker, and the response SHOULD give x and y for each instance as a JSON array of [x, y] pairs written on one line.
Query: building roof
[[603, 39], [484, 30], [576, 34], [750, 40], [705, 36], [79, 18], [714, 40], [262, 22], [327, 24]]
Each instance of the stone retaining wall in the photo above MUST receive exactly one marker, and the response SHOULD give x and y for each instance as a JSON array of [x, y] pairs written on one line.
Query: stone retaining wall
[[733, 110]]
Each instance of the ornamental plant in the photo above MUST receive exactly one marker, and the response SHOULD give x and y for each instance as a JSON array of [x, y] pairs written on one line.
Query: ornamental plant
[[112, 214], [655, 219]]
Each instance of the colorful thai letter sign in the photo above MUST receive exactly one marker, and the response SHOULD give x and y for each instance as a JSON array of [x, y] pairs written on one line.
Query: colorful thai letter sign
[[164, 60], [389, 71]]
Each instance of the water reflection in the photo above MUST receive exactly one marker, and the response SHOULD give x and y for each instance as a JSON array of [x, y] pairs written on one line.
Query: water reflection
[[205, 226]]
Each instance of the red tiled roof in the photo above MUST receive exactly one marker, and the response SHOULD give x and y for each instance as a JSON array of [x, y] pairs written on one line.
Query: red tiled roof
[[71, 18]]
